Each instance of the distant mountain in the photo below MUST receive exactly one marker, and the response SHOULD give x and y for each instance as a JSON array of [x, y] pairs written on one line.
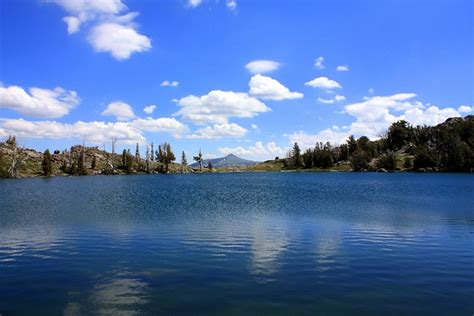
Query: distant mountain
[[229, 160]]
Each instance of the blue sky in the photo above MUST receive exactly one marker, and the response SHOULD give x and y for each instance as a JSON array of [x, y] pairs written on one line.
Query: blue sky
[[247, 77]]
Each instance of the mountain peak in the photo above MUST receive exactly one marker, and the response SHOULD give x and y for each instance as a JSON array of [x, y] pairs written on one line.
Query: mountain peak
[[229, 160]]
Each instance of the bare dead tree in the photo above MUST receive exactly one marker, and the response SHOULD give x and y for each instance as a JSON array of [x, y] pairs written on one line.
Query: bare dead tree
[[114, 140], [18, 156]]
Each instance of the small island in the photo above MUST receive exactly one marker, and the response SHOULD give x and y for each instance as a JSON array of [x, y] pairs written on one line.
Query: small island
[[447, 147]]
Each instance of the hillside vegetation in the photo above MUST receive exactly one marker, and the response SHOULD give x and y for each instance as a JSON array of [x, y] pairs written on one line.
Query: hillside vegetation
[[446, 147]]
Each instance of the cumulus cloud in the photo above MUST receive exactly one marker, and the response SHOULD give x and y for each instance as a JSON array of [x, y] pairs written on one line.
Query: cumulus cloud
[[219, 131], [342, 68], [162, 125], [268, 88], [262, 66], [323, 83], [218, 106], [168, 83], [93, 132], [194, 3], [121, 110], [375, 114], [112, 30], [231, 4], [73, 24], [42, 103], [337, 98], [149, 109], [319, 62], [119, 40], [258, 152], [465, 109]]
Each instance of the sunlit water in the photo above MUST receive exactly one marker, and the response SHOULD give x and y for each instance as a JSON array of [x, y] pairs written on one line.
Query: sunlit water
[[238, 244]]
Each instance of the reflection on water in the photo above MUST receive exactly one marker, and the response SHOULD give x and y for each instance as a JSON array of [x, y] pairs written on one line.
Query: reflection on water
[[238, 244], [269, 241], [122, 293]]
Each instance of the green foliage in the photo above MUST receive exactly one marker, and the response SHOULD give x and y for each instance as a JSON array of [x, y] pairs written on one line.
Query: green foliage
[[166, 156], [184, 162], [387, 161], [359, 160], [408, 163], [127, 161], [81, 163], [3, 165], [323, 156], [47, 163], [297, 160], [308, 158], [399, 134]]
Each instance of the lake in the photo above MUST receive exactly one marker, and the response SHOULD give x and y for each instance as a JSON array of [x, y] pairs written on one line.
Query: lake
[[238, 244]]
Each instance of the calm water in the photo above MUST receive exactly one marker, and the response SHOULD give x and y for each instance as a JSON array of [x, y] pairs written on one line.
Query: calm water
[[238, 244]]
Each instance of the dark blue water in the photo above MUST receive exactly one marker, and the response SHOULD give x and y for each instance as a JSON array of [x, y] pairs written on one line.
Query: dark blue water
[[238, 244]]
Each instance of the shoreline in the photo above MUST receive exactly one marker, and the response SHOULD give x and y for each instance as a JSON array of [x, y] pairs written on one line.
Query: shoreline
[[238, 172]]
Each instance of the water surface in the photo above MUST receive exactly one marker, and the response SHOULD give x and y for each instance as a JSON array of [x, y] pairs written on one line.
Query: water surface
[[238, 244]]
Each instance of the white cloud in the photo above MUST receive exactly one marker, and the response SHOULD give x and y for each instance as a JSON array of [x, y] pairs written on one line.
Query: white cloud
[[43, 103], [323, 83], [375, 114], [268, 88], [219, 131], [433, 115], [168, 83], [121, 110], [337, 98], [87, 9], [342, 68], [465, 109], [73, 24], [262, 66], [110, 32], [319, 62], [94, 132], [217, 106], [231, 4], [254, 126], [194, 3], [162, 125], [119, 40], [257, 152], [149, 109]]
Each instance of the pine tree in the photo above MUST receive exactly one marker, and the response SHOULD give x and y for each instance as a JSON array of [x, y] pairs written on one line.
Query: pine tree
[[209, 166], [184, 162], [124, 159], [147, 159], [81, 162], [137, 157], [297, 161], [47, 163], [166, 155], [152, 153]]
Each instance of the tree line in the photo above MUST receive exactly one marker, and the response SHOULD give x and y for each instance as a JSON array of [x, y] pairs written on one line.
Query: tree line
[[446, 147], [80, 160]]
